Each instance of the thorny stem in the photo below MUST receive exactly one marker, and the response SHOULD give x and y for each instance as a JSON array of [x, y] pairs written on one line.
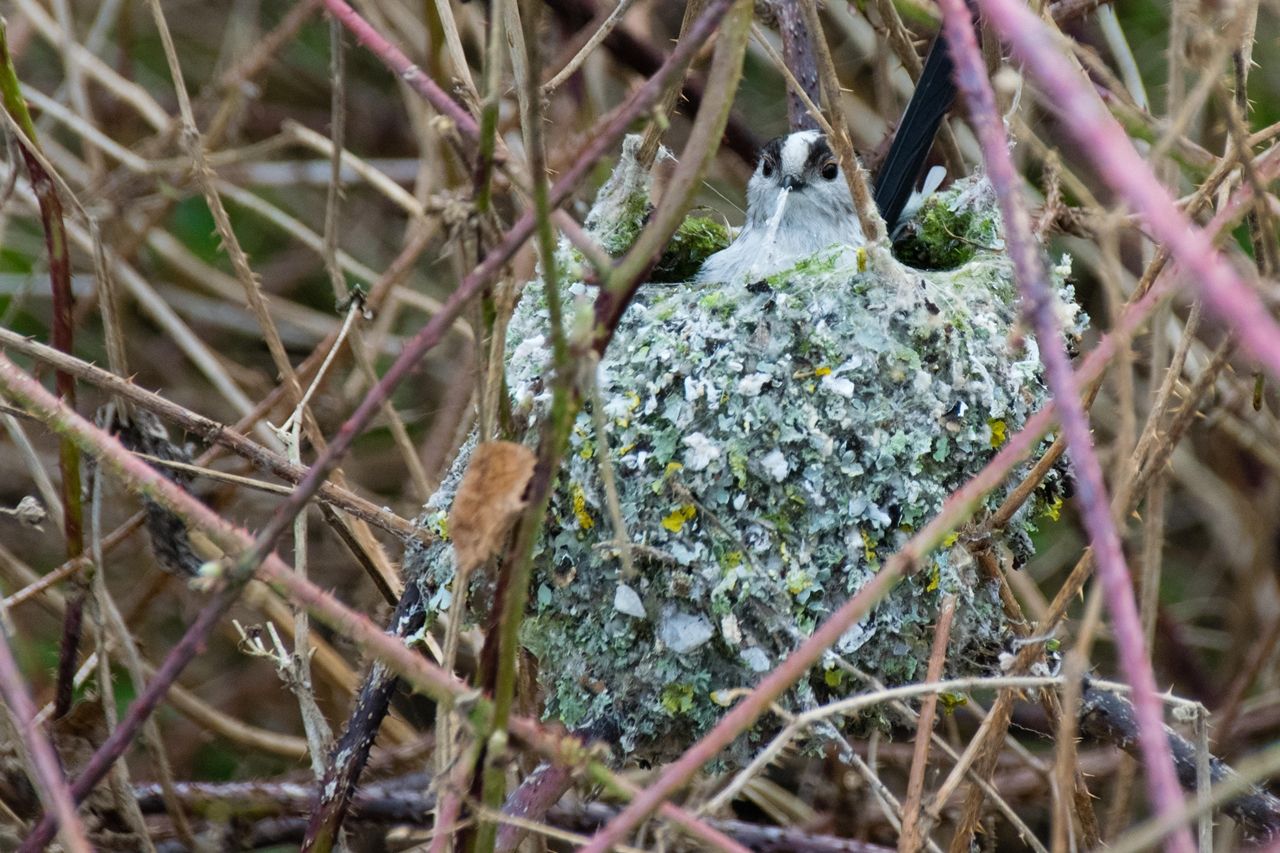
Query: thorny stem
[[55, 237], [1033, 281], [344, 764], [211, 431], [409, 73]]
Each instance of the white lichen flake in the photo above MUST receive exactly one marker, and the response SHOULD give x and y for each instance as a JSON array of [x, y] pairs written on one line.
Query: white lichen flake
[[774, 442], [684, 632], [701, 452], [775, 465], [627, 600]]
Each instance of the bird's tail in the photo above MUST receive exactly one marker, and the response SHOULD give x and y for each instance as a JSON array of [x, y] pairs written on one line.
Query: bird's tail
[[935, 91]]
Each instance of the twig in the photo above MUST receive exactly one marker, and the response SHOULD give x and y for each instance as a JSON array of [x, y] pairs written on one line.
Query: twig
[[575, 62], [511, 595], [153, 305], [55, 236], [197, 710], [536, 796], [618, 525], [801, 64], [873, 226], [212, 431], [482, 188], [643, 58], [347, 759], [407, 800], [409, 73], [913, 831], [1110, 718], [106, 612], [661, 117]]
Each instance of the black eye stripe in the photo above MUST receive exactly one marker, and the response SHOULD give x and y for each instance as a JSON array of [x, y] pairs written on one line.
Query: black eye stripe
[[771, 153], [819, 154]]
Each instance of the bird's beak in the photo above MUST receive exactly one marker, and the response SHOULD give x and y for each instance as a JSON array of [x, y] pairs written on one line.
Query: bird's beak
[[791, 182]]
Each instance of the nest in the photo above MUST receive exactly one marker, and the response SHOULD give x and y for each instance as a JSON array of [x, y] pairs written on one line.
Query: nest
[[773, 442]]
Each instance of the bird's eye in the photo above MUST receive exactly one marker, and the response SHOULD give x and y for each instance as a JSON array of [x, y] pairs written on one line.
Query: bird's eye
[[767, 169], [830, 170]]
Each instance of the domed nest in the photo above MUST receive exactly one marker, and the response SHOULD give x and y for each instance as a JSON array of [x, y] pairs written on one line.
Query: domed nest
[[773, 442]]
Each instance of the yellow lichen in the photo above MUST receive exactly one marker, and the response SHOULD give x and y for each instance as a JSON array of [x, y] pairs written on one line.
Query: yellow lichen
[[585, 521], [869, 548], [798, 581], [935, 576], [999, 432], [675, 520]]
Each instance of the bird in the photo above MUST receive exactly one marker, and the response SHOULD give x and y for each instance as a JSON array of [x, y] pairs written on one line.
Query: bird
[[798, 203], [798, 200]]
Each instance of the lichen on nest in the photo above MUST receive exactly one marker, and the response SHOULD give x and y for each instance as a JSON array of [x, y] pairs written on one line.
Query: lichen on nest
[[774, 441]]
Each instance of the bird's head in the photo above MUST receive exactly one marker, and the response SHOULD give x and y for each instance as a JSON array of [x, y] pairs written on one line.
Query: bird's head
[[803, 165]]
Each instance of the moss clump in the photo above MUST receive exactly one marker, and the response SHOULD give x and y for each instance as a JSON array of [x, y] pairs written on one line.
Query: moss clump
[[695, 239], [948, 232], [621, 210]]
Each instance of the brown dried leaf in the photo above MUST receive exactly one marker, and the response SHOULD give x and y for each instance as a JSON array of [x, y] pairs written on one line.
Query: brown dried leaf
[[489, 500]]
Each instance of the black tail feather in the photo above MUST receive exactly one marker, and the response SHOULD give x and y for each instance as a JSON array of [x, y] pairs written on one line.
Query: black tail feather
[[934, 94]]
